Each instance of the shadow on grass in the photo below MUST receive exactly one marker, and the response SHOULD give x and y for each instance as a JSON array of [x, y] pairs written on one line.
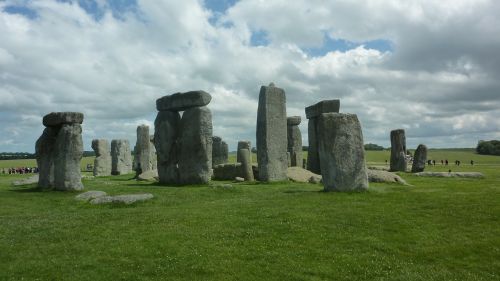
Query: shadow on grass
[[303, 191], [27, 189]]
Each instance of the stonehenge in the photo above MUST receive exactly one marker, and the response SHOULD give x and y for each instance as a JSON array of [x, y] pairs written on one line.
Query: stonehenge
[[121, 157], [294, 141], [341, 152], [102, 161], [244, 145], [220, 151], [312, 113], [59, 151], [246, 164], [184, 145], [419, 159], [144, 151], [398, 151], [271, 134]]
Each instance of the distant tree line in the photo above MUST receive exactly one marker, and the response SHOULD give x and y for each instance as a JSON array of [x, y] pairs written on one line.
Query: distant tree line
[[491, 147], [372, 146]]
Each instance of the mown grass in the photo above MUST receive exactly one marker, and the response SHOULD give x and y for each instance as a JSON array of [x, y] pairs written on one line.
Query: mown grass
[[437, 229]]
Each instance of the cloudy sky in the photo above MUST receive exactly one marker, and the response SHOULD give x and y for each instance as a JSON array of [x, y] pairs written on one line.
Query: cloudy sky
[[430, 67]]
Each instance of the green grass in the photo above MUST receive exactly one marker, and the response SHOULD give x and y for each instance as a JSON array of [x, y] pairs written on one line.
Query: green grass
[[438, 229]]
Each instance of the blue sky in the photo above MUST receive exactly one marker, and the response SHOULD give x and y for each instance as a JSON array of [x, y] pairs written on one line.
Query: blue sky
[[429, 67]]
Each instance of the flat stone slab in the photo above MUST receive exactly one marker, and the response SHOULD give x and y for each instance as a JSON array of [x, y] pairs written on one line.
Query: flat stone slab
[[90, 195], [293, 120], [298, 174], [450, 175], [384, 176], [124, 199], [30, 180], [59, 118], [326, 106], [150, 175], [183, 101]]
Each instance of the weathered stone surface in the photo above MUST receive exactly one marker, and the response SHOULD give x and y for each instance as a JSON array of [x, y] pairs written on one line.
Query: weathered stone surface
[[167, 132], [246, 145], [384, 176], [293, 121], [183, 101], [220, 151], [123, 199], [44, 149], [271, 134], [195, 163], [398, 150], [246, 164], [54, 119], [89, 195], [25, 181], [68, 152], [342, 154], [227, 171], [152, 153], [121, 157], [312, 150], [239, 179], [419, 159], [102, 161], [325, 106], [298, 174], [294, 145], [451, 174], [151, 175], [143, 156]]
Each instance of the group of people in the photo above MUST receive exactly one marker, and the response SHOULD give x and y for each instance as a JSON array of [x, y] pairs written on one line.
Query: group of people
[[20, 170], [446, 162]]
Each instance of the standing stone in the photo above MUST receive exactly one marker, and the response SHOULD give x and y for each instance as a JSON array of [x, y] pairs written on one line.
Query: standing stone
[[219, 151], [152, 153], [167, 126], [244, 145], [68, 153], [294, 141], [312, 113], [143, 157], [342, 154], [121, 157], [102, 161], [44, 150], [195, 163], [271, 134], [398, 150], [246, 165], [419, 159]]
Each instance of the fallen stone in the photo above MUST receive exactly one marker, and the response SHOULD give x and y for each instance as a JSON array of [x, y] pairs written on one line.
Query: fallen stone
[[239, 179], [451, 174], [151, 175], [59, 118], [298, 174], [124, 199], [30, 180], [89, 195], [384, 176], [183, 101], [325, 106]]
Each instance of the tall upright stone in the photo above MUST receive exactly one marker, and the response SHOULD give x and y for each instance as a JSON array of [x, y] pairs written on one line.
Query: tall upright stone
[[272, 134], [398, 150], [152, 153], [167, 132], [102, 161], [312, 113], [294, 141], [245, 144], [68, 153], [341, 151], [195, 165], [246, 164], [143, 155], [59, 151], [419, 159], [121, 157], [220, 151]]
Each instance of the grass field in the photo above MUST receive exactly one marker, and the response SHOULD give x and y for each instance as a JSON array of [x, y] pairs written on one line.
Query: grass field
[[436, 229]]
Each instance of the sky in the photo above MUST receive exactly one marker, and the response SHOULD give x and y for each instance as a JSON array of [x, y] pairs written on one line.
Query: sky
[[429, 67]]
